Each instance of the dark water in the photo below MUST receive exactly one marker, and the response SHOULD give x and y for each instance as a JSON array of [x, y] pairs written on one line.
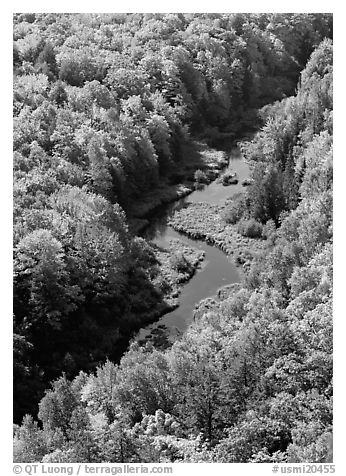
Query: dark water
[[216, 270]]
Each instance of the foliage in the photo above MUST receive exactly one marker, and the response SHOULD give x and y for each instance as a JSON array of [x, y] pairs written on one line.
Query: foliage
[[200, 177], [250, 228], [235, 208], [102, 107], [179, 262]]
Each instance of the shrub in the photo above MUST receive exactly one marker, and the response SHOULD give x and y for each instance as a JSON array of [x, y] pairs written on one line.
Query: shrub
[[250, 228], [239, 258], [179, 262], [269, 231], [231, 214], [235, 209], [162, 285], [200, 176]]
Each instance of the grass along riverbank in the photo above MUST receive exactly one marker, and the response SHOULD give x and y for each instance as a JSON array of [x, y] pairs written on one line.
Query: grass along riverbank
[[178, 263], [175, 265], [180, 183], [204, 221]]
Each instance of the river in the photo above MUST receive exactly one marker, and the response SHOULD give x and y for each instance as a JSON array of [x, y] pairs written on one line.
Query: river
[[216, 270]]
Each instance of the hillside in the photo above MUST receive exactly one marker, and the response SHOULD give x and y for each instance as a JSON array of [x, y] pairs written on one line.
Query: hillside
[[106, 110]]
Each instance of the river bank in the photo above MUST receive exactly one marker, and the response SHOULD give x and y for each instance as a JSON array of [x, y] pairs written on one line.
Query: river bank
[[182, 217], [178, 264], [179, 184], [204, 221], [197, 221]]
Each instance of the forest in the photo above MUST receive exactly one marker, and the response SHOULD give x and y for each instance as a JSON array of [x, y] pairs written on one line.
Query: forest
[[107, 108]]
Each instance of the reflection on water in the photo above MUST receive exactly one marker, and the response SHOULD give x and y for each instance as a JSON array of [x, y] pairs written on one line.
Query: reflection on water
[[217, 269]]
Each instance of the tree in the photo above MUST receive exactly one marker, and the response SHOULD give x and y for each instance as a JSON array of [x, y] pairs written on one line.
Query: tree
[[160, 135], [81, 437], [99, 170], [98, 392], [46, 61], [29, 442], [57, 406], [58, 94], [41, 274], [266, 194], [143, 383]]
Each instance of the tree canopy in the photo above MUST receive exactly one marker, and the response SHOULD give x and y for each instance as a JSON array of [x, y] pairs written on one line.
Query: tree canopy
[[103, 107]]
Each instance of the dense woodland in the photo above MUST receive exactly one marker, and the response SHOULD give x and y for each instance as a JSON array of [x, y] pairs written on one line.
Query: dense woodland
[[104, 106]]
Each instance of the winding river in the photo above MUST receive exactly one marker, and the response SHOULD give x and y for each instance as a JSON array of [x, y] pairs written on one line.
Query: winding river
[[216, 270]]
